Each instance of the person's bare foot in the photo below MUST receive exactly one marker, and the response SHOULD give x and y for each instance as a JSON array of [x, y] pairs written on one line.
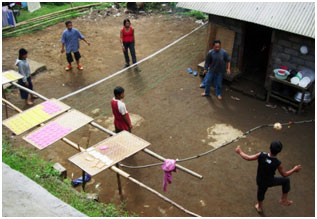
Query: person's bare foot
[[204, 95], [34, 96], [258, 209], [219, 97], [286, 202], [29, 103]]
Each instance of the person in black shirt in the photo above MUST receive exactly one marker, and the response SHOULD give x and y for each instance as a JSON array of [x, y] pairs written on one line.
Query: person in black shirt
[[267, 165]]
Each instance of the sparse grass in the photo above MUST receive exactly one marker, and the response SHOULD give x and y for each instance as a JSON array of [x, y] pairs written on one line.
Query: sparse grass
[[42, 172], [196, 14]]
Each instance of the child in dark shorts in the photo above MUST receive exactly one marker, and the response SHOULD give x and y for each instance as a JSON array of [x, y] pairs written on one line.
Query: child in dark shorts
[[267, 165]]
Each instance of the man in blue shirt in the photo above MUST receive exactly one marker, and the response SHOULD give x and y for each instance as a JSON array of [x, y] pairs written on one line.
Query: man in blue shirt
[[216, 62], [70, 40]]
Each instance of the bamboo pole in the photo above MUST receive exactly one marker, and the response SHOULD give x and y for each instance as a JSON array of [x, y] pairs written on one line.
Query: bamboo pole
[[35, 25], [126, 175], [38, 21], [150, 152], [6, 106], [54, 13], [10, 104], [177, 165], [30, 91]]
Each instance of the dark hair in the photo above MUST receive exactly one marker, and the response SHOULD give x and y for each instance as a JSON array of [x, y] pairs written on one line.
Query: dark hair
[[118, 91], [125, 21], [216, 41], [276, 147], [67, 22], [22, 52]]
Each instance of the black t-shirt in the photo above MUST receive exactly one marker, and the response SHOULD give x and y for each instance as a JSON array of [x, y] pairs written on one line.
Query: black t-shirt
[[266, 169]]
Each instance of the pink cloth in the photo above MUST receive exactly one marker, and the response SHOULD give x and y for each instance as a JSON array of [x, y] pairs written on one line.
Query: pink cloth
[[50, 107], [168, 166]]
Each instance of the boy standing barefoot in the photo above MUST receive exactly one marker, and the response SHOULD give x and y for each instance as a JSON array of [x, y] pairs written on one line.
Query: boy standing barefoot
[[267, 165], [121, 116]]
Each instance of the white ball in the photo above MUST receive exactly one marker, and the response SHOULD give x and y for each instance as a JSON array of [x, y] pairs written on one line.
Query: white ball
[[277, 126]]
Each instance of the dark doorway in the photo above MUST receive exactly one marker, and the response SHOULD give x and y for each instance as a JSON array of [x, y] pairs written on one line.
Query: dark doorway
[[257, 42]]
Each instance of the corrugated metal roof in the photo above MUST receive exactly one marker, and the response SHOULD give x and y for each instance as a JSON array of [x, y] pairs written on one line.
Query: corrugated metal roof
[[294, 17]]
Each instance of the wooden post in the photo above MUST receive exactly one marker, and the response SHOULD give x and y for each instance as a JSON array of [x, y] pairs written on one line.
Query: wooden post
[[5, 104], [71, 5], [10, 104], [119, 184]]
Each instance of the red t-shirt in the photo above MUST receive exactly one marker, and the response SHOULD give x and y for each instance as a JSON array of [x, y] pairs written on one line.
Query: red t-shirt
[[119, 110], [127, 36]]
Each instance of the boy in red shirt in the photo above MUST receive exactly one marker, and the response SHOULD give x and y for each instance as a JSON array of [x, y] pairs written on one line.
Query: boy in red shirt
[[121, 116]]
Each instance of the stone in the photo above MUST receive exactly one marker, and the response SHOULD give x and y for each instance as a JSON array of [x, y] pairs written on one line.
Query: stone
[[61, 170], [35, 68], [93, 196]]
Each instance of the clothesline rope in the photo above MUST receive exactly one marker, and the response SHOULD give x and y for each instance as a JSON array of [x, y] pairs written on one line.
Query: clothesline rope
[[225, 144]]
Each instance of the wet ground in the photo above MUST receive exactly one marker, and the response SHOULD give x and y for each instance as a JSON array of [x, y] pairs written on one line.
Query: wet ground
[[171, 115]]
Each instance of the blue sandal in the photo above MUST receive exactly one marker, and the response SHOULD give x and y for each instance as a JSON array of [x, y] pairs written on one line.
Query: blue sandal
[[189, 70], [195, 73]]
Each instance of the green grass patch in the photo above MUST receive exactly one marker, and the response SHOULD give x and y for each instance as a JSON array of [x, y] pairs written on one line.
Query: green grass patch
[[196, 14], [47, 8], [42, 172]]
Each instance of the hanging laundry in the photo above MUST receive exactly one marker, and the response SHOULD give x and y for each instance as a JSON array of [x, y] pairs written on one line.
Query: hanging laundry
[[33, 6], [168, 166], [7, 17]]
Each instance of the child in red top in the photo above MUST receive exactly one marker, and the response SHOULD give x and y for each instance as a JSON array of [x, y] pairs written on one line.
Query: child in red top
[[127, 40], [121, 116]]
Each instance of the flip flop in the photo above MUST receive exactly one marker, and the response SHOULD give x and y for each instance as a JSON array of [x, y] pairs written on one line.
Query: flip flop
[[195, 73], [189, 70]]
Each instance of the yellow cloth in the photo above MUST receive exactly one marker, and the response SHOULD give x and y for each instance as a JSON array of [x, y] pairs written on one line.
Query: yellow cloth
[[28, 119]]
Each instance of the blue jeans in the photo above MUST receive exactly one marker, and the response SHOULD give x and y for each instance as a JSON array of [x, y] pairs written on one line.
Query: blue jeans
[[217, 78]]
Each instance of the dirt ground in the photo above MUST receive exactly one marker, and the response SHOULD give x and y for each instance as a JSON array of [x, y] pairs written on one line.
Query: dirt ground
[[170, 114]]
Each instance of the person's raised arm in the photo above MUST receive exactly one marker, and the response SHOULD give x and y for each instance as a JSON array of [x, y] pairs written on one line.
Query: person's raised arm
[[245, 156], [284, 173]]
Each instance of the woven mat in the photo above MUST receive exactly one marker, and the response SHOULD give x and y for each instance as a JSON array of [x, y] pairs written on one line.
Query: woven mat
[[10, 76], [108, 152], [57, 129], [34, 116]]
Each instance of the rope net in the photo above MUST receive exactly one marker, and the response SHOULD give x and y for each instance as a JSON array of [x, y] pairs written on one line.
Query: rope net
[[153, 71]]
